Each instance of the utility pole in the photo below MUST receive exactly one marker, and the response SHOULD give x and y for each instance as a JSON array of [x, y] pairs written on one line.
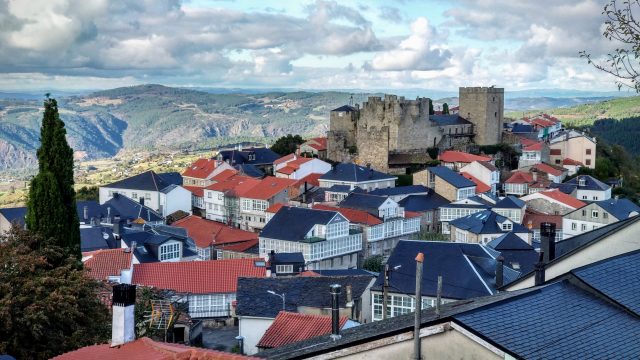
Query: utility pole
[[418, 308], [385, 289]]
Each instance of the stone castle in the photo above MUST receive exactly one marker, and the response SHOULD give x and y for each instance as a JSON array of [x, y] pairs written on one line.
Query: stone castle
[[392, 134]]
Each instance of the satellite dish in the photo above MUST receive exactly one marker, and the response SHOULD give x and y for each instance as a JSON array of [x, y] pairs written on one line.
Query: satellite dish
[[105, 236]]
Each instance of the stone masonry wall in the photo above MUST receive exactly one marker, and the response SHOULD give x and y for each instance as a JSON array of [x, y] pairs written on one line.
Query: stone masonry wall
[[484, 107], [373, 148]]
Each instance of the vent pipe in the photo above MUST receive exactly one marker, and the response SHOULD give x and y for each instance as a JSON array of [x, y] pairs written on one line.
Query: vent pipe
[[499, 272], [548, 239], [335, 311]]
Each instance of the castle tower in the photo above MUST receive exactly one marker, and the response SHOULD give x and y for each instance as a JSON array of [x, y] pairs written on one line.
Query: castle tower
[[342, 132], [484, 107]]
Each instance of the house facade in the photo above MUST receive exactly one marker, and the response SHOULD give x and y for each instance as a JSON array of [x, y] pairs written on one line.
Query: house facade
[[297, 167], [325, 238], [316, 147], [485, 226], [446, 183], [354, 176], [574, 145], [534, 153], [484, 171], [596, 215]]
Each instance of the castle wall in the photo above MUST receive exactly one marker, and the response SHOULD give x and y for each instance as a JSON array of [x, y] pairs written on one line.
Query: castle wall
[[373, 147], [484, 107]]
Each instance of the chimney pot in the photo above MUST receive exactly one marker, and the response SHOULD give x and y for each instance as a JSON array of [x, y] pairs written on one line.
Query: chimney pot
[[335, 311], [548, 240]]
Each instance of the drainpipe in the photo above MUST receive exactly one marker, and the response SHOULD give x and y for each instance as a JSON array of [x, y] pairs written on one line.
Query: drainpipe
[[418, 307]]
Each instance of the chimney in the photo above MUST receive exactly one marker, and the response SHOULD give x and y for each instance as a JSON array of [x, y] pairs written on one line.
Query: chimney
[[539, 268], [335, 311], [134, 244], [123, 324], [534, 174], [548, 240], [499, 272], [85, 213], [109, 214], [272, 256]]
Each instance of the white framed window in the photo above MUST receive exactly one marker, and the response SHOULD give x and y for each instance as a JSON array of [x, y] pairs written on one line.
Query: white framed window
[[147, 196], [605, 215], [134, 195], [169, 251], [507, 226], [594, 214], [209, 195], [574, 226], [284, 269], [584, 227], [595, 197], [461, 236]]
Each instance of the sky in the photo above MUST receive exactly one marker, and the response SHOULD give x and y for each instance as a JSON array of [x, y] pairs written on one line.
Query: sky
[[427, 44]]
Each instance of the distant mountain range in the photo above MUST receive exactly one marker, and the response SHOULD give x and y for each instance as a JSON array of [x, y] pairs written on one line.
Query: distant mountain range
[[102, 123]]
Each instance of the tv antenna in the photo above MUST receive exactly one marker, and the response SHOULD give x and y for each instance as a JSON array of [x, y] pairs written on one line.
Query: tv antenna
[[351, 100]]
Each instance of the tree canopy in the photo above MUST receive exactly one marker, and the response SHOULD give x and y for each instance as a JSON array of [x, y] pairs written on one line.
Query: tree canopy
[[55, 165], [48, 305], [287, 144], [445, 109]]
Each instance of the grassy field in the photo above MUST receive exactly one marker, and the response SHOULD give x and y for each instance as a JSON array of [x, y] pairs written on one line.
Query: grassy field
[[587, 114], [104, 171]]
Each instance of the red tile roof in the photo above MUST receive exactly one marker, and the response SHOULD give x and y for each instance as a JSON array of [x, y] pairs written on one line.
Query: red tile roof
[[147, 349], [533, 147], [568, 161], [239, 247], [201, 168], [532, 220], [224, 175], [207, 232], [526, 142], [266, 188], [196, 277], [320, 143], [104, 263], [195, 190], [311, 179], [232, 183], [309, 273], [480, 186], [353, 215], [559, 196], [284, 159], [291, 327], [549, 169], [274, 208], [520, 177], [287, 170], [411, 214], [461, 157]]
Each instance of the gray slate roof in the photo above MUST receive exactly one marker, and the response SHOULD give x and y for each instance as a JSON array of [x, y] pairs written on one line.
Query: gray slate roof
[[293, 223], [620, 208], [458, 181], [147, 181], [350, 172], [486, 222]]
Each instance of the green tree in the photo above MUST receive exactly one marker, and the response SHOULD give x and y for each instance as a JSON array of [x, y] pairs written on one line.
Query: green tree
[[287, 144], [445, 109], [431, 112], [55, 158], [45, 208], [373, 263], [48, 305], [87, 193]]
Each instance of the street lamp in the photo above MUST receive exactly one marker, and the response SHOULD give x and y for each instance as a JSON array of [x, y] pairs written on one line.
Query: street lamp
[[276, 294]]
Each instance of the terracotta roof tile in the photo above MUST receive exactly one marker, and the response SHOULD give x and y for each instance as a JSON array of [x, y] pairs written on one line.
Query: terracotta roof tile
[[527, 142], [274, 208], [201, 168], [568, 161], [196, 277], [353, 215], [533, 147], [462, 157], [549, 169], [239, 247], [224, 175], [284, 159], [266, 188], [195, 190], [520, 177], [311, 179], [287, 170], [291, 327], [231, 183], [532, 220], [309, 273], [104, 263], [147, 349], [207, 232], [559, 196], [480, 186]]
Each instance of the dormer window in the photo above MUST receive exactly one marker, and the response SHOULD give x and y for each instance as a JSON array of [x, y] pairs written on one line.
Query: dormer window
[[582, 181], [507, 226]]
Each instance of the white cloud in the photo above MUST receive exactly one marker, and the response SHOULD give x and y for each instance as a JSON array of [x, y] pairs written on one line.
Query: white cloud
[[415, 52]]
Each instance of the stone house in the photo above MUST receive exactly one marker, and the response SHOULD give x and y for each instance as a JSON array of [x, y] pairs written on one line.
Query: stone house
[[446, 183], [552, 202]]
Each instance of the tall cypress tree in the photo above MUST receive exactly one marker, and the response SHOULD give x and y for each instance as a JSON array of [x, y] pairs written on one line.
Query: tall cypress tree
[[445, 109], [55, 159]]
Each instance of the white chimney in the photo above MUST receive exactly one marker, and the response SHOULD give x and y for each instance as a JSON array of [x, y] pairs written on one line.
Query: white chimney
[[123, 324]]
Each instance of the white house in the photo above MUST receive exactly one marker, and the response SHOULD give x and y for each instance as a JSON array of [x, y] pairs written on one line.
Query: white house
[[192, 281], [324, 238], [297, 167], [596, 215], [156, 191], [484, 171], [586, 188]]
